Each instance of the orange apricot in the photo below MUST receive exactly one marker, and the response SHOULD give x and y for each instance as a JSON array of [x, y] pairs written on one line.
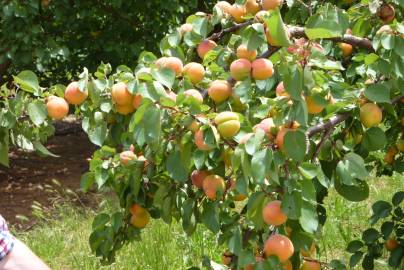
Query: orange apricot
[[240, 69], [280, 246], [194, 71], [212, 185], [310, 265], [204, 47], [262, 69], [272, 214], [198, 176], [57, 107], [120, 94], [312, 106], [219, 91], [370, 115], [195, 95], [271, 4], [244, 53], [74, 95]]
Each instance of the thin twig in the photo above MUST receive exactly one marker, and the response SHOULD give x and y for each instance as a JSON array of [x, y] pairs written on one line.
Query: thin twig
[[234, 28], [326, 135]]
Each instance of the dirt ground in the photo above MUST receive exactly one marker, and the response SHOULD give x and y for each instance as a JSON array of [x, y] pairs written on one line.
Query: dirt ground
[[29, 178]]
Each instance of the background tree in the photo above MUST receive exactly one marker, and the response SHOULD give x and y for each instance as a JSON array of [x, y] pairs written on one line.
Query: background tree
[[58, 38]]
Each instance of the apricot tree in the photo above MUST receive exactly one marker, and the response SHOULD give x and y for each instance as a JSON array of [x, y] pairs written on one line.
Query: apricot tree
[[276, 104]]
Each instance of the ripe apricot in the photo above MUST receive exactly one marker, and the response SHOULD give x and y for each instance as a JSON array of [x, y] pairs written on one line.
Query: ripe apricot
[[271, 39], [137, 101], [370, 115], [125, 109], [252, 7], [259, 17], [204, 47], [224, 6], [386, 29], [227, 258], [262, 69], [200, 144], [240, 69], [287, 265], [126, 156], [244, 53], [212, 185], [57, 107], [245, 138], [173, 63], [185, 28], [386, 13], [389, 157], [197, 177], [271, 4], [195, 95], [280, 246], [280, 90], [310, 265], [312, 106], [228, 124], [140, 216], [219, 91], [272, 214], [238, 12], [266, 125], [73, 95], [391, 244], [171, 95], [346, 49], [280, 136], [120, 94], [194, 71]]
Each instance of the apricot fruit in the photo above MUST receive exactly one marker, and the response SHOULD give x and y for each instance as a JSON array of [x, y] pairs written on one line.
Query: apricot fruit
[[280, 90], [271, 4], [389, 157], [204, 47], [244, 53], [385, 29], [195, 95], [171, 95], [310, 265], [224, 6], [346, 49], [238, 12], [228, 124], [272, 214], [280, 246], [219, 91], [370, 115], [240, 69], [120, 94], [212, 185], [125, 109], [140, 216], [386, 13], [173, 63], [271, 39], [245, 138], [185, 28], [73, 94], [287, 265], [280, 136], [199, 141], [227, 258], [312, 106], [252, 7], [266, 125], [198, 176], [262, 69], [57, 107], [391, 244], [126, 156], [137, 101], [194, 71]]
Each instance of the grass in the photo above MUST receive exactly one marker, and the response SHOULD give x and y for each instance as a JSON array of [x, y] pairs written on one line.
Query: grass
[[63, 243]]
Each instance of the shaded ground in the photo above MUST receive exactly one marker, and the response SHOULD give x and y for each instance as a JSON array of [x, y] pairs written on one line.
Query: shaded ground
[[29, 179]]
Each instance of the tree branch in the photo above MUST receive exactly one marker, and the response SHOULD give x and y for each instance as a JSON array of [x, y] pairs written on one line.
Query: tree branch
[[326, 135], [334, 121], [217, 36], [298, 32]]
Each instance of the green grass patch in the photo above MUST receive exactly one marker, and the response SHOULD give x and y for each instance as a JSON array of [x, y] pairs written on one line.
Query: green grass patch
[[63, 243]]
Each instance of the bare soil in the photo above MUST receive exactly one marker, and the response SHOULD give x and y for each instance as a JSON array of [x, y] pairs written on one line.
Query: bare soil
[[30, 176]]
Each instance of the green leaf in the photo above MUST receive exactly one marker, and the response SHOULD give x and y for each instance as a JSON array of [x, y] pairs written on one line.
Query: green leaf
[[37, 112], [309, 218], [354, 193], [292, 204], [370, 235], [98, 134], [374, 139], [42, 149], [328, 22], [86, 181], [308, 170], [210, 217], [259, 164], [381, 209], [355, 258], [175, 167], [165, 76], [378, 92], [277, 29], [398, 197], [235, 242], [254, 208], [350, 168], [295, 145], [354, 246], [28, 82], [253, 36], [4, 152]]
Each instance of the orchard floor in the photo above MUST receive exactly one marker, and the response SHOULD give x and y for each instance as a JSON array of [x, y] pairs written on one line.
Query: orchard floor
[[29, 184]]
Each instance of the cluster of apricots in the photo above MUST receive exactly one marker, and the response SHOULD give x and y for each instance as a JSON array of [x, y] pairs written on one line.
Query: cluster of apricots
[[58, 107], [140, 217]]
